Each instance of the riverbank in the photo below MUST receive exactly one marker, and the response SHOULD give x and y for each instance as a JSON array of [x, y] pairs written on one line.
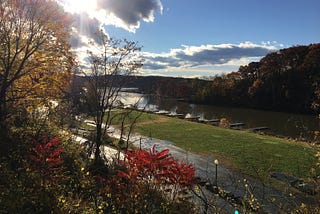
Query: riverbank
[[253, 154], [295, 126]]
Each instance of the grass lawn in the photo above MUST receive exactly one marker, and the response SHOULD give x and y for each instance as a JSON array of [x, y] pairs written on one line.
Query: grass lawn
[[253, 154]]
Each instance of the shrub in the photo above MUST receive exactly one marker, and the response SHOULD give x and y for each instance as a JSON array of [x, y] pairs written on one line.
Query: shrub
[[150, 181]]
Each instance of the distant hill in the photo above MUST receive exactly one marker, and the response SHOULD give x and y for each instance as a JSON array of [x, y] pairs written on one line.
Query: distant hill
[[146, 84]]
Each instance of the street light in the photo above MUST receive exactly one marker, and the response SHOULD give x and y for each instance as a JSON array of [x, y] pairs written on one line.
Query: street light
[[216, 162]]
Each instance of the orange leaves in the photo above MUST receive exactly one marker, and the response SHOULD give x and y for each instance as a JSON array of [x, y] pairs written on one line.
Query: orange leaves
[[257, 85]]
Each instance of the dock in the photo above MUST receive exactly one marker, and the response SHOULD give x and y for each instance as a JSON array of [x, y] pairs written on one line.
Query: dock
[[192, 118], [212, 121], [236, 125], [162, 112], [180, 116], [257, 129]]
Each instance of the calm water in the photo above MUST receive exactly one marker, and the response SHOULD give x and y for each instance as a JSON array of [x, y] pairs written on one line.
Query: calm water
[[281, 124]]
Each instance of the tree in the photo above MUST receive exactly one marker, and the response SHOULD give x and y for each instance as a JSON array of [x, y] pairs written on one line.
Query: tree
[[111, 66], [35, 56]]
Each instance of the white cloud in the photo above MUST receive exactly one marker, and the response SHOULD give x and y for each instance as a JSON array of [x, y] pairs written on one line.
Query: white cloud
[[191, 56], [84, 26], [186, 73], [128, 14], [89, 16], [206, 59]]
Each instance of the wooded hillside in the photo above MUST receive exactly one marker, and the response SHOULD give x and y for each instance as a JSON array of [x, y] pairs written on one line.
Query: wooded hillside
[[286, 80]]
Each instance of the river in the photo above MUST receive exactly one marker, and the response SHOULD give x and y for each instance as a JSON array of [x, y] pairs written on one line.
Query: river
[[278, 123]]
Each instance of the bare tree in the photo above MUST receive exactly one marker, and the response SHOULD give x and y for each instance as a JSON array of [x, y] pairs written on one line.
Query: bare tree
[[113, 62]]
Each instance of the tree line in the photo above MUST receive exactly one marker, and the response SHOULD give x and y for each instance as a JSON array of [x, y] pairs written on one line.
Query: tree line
[[286, 80]]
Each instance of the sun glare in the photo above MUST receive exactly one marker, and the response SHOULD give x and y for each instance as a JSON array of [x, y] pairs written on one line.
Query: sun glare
[[78, 6]]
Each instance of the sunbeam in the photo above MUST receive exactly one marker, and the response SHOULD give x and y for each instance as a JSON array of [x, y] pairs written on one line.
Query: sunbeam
[[78, 6]]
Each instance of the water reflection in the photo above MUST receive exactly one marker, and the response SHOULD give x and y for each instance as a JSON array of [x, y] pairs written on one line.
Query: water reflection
[[282, 124]]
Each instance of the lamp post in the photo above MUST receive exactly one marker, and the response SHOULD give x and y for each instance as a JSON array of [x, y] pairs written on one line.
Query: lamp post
[[216, 162]]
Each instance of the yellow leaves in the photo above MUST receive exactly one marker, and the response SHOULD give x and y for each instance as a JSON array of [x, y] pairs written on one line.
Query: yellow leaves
[[303, 206], [62, 199], [224, 123], [303, 209], [197, 190], [318, 156], [36, 51], [43, 83]]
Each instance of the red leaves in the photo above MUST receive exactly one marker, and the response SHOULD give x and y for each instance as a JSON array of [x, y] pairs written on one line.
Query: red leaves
[[45, 156], [158, 167]]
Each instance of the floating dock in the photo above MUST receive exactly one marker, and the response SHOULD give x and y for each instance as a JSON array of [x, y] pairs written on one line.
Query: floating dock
[[192, 118], [180, 116], [211, 122], [257, 129], [237, 125]]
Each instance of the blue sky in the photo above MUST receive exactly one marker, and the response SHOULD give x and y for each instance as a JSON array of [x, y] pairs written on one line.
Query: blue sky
[[202, 37]]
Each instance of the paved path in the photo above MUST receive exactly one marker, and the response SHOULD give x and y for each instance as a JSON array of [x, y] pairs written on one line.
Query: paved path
[[232, 182], [109, 153], [235, 183]]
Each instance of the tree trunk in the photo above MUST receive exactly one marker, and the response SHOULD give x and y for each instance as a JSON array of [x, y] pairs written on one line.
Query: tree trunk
[[98, 143], [3, 108], [274, 95]]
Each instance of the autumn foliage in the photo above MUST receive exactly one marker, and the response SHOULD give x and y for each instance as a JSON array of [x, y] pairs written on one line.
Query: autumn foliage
[[286, 80], [157, 166], [149, 180], [35, 54], [46, 156], [158, 169]]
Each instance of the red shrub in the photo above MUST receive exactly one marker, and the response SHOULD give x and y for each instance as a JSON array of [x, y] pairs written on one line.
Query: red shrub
[[45, 156], [157, 167]]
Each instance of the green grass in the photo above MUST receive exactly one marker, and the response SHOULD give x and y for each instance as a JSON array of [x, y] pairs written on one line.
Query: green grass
[[253, 154], [144, 117], [141, 117], [242, 150]]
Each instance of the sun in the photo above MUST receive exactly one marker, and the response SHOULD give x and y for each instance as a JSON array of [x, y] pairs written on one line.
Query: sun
[[78, 6]]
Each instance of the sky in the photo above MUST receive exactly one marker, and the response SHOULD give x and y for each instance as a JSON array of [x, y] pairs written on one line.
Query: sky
[[196, 38]]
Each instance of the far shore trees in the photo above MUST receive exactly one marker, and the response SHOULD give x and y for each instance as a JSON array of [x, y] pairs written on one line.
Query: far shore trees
[[113, 62]]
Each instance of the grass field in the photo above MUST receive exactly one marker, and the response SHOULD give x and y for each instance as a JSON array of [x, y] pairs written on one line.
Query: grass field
[[253, 154]]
